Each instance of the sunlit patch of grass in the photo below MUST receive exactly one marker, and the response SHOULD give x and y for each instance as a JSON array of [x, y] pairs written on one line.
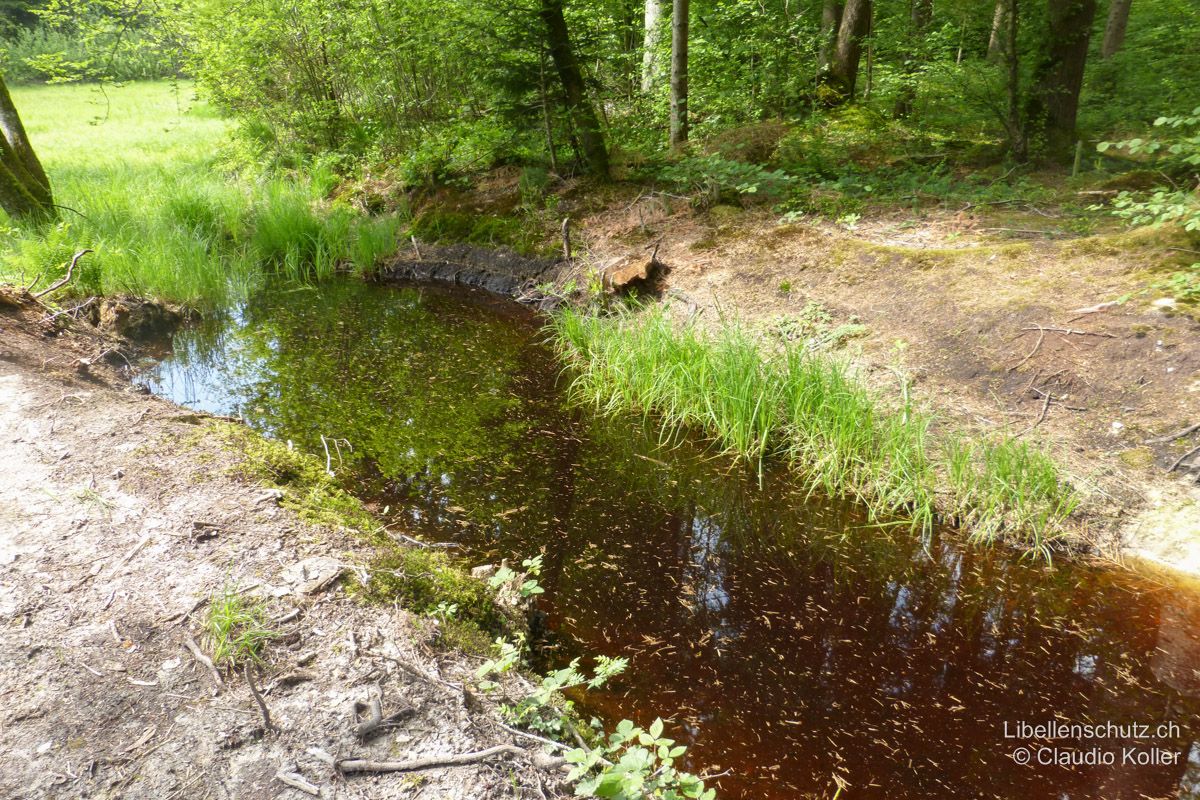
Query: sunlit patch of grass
[[1008, 488], [236, 628], [808, 408], [142, 175]]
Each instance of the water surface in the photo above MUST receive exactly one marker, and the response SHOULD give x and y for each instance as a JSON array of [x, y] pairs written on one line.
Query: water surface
[[784, 638]]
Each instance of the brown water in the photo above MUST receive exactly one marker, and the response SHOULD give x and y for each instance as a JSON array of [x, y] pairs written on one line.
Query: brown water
[[784, 639]]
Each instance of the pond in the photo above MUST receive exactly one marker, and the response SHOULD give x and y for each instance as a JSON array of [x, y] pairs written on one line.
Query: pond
[[783, 638]]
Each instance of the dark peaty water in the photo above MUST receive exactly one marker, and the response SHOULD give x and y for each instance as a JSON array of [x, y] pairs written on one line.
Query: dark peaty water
[[784, 639]]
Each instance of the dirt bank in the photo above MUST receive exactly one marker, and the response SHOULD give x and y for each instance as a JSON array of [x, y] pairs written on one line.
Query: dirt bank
[[119, 520], [1004, 318]]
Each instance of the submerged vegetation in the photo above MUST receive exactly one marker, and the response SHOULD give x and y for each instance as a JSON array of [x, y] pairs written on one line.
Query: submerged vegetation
[[811, 410]]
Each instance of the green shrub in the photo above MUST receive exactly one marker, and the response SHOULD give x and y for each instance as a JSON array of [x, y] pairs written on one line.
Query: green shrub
[[711, 178]]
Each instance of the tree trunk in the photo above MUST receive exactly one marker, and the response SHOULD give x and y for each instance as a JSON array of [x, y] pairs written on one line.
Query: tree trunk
[[1054, 100], [1018, 141], [855, 24], [831, 18], [921, 14], [24, 188], [583, 115], [651, 70], [679, 73], [1114, 31], [996, 42]]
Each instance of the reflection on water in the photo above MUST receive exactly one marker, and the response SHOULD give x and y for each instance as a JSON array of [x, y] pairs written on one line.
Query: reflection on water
[[787, 640]]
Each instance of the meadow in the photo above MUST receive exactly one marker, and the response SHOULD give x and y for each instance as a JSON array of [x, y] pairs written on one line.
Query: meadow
[[148, 177]]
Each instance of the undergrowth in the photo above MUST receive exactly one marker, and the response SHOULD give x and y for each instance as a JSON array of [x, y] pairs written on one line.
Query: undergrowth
[[809, 409]]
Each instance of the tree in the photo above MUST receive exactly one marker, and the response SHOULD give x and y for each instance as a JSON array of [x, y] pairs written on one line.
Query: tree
[[920, 16], [679, 72], [1053, 103], [854, 26], [995, 50], [24, 188], [579, 106], [831, 18], [653, 31], [1114, 31]]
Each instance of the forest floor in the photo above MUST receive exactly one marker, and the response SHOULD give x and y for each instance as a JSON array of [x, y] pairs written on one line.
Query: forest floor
[[1009, 317], [119, 520]]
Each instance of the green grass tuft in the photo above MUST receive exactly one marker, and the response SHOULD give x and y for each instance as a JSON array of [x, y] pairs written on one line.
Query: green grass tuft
[[236, 628], [808, 408]]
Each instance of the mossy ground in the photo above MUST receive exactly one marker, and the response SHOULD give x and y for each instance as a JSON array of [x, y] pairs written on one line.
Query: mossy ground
[[424, 581]]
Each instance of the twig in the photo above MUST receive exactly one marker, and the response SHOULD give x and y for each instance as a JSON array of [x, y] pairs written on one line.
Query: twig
[[566, 238], [1045, 408], [1033, 352], [1070, 331], [296, 781], [66, 278], [367, 765], [1083, 312], [416, 249], [258, 698], [1170, 437], [372, 723], [1184, 457], [191, 645]]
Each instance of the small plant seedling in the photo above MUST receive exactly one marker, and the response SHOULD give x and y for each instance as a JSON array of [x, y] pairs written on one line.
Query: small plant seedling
[[236, 627], [785, 287]]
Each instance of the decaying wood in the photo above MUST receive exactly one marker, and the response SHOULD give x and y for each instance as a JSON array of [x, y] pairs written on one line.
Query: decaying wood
[[373, 721], [349, 765], [296, 781]]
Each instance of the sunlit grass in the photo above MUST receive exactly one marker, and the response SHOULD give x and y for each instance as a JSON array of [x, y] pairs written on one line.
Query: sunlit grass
[[808, 409], [144, 175]]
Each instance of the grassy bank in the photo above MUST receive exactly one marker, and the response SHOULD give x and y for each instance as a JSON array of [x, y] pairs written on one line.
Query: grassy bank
[[147, 179], [810, 410]]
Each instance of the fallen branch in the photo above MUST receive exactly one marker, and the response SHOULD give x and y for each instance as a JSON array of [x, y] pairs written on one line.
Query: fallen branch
[[258, 698], [66, 278], [198, 654], [1170, 437], [1183, 458], [350, 765]]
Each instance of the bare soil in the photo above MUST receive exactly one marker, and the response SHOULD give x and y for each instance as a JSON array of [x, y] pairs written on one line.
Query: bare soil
[[988, 313], [119, 519]]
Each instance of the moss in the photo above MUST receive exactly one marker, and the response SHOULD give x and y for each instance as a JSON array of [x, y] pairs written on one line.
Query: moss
[[308, 489], [1138, 457], [439, 225], [419, 579], [422, 579]]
